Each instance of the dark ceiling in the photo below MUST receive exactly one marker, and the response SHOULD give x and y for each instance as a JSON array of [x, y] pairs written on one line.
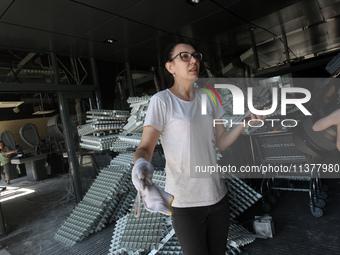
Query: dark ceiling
[[141, 28]]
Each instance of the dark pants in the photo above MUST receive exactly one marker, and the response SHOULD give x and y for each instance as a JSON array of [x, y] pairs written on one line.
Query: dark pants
[[5, 171], [202, 230]]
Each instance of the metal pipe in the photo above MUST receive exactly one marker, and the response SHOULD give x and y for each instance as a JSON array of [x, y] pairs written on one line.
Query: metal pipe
[[96, 83], [129, 78], [55, 68], [253, 46], [71, 152]]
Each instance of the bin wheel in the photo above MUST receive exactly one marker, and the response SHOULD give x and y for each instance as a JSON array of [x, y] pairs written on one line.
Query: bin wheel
[[323, 195], [319, 202], [272, 199], [266, 206], [316, 212]]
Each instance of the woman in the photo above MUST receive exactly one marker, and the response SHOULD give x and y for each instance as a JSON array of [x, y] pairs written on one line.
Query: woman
[[5, 161], [200, 207]]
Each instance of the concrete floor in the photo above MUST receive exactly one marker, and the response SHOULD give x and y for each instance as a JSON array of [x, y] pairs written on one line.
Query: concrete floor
[[33, 218], [297, 231]]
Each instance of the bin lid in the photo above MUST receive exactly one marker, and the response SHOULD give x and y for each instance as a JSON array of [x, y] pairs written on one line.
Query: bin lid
[[8, 139], [55, 128], [29, 134]]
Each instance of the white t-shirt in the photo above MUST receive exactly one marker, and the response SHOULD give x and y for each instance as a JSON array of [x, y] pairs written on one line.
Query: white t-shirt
[[188, 141]]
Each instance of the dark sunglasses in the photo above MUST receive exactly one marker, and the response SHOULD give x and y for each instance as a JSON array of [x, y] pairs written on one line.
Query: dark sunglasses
[[186, 56]]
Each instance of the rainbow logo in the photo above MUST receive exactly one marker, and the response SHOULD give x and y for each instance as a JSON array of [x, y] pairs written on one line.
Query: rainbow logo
[[209, 93]]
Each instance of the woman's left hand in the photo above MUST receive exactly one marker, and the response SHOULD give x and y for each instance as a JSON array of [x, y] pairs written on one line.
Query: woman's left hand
[[254, 119]]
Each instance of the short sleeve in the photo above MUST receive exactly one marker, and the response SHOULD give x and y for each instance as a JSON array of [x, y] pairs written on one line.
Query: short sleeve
[[155, 115]]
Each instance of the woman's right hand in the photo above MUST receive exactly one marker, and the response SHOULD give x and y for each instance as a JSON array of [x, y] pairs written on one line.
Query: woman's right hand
[[142, 173]]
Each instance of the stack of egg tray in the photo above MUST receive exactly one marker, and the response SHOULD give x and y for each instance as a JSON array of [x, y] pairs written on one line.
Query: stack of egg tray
[[123, 159], [171, 246], [127, 199], [241, 196], [239, 236], [98, 133], [124, 205], [148, 232], [99, 143], [116, 248], [232, 250], [97, 206], [143, 234], [139, 107], [103, 120], [99, 129], [168, 233], [137, 100], [137, 241], [124, 142], [100, 114]]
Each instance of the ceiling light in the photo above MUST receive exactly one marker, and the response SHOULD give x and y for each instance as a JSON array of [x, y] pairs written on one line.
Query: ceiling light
[[10, 104], [110, 41], [43, 112], [194, 2]]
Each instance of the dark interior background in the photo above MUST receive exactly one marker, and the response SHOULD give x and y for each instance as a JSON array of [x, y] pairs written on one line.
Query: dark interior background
[[238, 38]]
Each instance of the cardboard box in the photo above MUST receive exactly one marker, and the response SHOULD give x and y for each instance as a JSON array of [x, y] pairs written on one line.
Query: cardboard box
[[264, 226]]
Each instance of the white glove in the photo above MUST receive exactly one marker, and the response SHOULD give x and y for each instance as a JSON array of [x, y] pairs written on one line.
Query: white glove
[[155, 199], [142, 173]]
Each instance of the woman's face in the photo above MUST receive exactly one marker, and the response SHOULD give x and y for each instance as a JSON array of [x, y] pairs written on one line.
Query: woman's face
[[181, 69], [2, 146]]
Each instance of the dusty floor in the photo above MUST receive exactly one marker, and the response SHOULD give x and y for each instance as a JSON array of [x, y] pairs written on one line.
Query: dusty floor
[[297, 231], [33, 218]]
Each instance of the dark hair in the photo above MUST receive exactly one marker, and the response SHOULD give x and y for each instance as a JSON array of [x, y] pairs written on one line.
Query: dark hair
[[168, 54], [169, 50]]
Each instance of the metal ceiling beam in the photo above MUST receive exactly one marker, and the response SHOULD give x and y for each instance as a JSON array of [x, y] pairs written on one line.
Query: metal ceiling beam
[[26, 59], [31, 87]]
